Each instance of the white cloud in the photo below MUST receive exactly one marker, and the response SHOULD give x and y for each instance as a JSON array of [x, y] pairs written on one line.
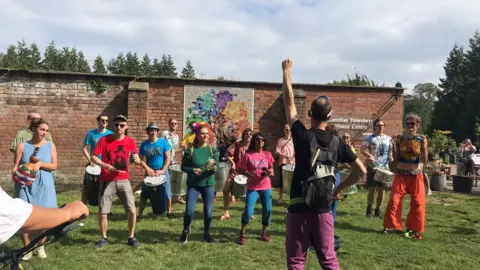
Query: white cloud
[[390, 41]]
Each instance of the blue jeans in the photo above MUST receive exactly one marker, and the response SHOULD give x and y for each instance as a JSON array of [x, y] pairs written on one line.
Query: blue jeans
[[335, 203], [192, 197], [251, 200]]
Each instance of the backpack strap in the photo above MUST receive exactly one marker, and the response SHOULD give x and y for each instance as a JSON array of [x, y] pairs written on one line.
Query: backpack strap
[[324, 155]]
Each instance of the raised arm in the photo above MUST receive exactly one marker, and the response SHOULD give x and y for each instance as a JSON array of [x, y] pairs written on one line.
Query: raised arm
[[287, 89]]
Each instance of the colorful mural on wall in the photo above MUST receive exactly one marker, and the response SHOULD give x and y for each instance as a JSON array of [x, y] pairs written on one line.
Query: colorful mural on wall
[[217, 104]]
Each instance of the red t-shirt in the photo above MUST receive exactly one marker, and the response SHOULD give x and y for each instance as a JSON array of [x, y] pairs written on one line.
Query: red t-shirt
[[116, 153]]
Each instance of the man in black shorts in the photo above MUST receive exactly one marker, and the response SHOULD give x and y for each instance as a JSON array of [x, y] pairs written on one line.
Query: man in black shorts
[[377, 148]]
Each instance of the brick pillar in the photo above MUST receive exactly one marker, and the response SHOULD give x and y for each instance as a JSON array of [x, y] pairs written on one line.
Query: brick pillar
[[137, 120], [300, 100]]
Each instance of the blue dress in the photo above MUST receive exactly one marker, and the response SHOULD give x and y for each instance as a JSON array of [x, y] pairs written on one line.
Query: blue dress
[[42, 191]]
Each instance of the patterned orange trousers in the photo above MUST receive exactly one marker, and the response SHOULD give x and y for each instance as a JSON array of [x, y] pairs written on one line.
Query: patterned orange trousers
[[402, 185]]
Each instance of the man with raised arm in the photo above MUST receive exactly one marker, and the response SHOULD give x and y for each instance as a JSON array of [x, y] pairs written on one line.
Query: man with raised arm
[[306, 221]]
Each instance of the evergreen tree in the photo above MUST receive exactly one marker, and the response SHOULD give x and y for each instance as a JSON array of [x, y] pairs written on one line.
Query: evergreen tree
[[451, 98], [23, 54], [157, 68], [188, 72], [117, 65], [132, 64], [51, 58], [82, 65], [146, 66], [34, 58], [10, 59], [99, 66], [164, 66], [170, 69]]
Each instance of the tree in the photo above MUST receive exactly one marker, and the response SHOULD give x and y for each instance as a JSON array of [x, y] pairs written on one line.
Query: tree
[[157, 68], [99, 66], [422, 102], [51, 58], [132, 64], [357, 79], [82, 64], [10, 59], [23, 55], [188, 72], [146, 66], [457, 106], [118, 65], [34, 58]]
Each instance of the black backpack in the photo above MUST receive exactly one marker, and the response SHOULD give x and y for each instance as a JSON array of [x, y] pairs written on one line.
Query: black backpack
[[317, 189]]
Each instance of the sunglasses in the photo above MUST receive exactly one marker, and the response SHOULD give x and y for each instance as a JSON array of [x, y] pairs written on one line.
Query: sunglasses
[[411, 124], [36, 150], [260, 139], [104, 120], [120, 125], [380, 125], [153, 129]]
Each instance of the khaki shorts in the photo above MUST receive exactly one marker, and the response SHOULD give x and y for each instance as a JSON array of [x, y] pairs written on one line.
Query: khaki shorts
[[122, 189]]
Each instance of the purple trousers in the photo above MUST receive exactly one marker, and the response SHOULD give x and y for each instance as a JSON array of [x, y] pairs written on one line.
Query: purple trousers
[[306, 228]]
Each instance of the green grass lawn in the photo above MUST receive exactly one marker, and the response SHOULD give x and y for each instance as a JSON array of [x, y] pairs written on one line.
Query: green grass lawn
[[452, 240]]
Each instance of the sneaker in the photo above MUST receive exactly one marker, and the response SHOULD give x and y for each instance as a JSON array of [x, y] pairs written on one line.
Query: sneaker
[[378, 213], [180, 200], [27, 256], [40, 252], [100, 244], [264, 237], [133, 242], [209, 239], [369, 212], [429, 192], [242, 239], [338, 243], [184, 236], [413, 234]]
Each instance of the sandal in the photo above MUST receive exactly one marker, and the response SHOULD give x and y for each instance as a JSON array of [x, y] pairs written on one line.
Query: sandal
[[224, 217]]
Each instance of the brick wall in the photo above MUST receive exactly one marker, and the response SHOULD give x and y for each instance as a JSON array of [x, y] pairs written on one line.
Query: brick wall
[[70, 104]]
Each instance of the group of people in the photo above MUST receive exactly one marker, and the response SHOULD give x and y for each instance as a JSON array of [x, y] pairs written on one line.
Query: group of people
[[314, 193]]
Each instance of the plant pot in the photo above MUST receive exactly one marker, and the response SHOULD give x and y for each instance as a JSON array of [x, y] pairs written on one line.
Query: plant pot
[[462, 184], [438, 182]]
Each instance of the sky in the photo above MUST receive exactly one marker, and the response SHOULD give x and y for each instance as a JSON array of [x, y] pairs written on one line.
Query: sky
[[389, 41]]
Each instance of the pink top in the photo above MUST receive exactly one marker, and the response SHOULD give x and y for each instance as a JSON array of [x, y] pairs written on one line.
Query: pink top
[[285, 147], [237, 152], [254, 161]]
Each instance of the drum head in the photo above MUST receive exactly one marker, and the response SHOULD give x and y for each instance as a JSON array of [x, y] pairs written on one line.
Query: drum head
[[288, 167], [93, 170], [154, 181], [385, 171], [240, 179]]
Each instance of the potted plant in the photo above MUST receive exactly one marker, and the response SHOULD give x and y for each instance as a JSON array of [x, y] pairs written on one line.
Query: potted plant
[[439, 142]]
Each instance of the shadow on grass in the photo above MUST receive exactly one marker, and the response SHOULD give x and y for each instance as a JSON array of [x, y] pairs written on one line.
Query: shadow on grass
[[351, 227]]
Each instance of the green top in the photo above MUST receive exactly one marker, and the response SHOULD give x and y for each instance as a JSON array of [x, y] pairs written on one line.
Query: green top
[[25, 135], [198, 159]]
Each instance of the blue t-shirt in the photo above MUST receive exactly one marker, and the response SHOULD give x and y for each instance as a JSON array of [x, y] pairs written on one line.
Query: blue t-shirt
[[93, 136], [154, 152]]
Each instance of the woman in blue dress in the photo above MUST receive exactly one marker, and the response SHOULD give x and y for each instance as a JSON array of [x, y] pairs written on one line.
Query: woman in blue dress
[[42, 191]]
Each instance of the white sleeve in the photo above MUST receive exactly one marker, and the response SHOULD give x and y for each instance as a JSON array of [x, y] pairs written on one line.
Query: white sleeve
[[13, 214]]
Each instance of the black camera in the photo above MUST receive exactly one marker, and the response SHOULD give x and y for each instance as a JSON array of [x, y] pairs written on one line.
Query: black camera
[[264, 172]]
